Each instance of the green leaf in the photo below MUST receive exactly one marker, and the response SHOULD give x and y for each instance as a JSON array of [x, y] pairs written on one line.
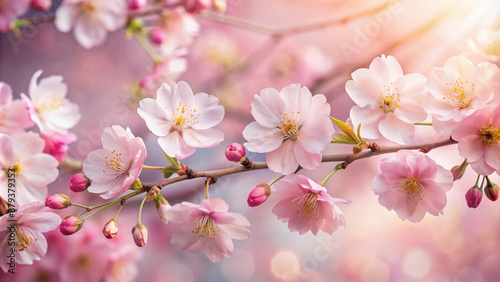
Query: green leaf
[[169, 170], [346, 129], [173, 161], [136, 185], [343, 139]]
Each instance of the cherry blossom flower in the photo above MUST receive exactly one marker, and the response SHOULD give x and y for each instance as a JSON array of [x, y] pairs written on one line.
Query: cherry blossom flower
[[306, 205], [388, 103], [291, 126], [165, 71], [182, 121], [117, 166], [412, 184], [91, 19], [207, 227], [487, 45], [56, 144], [14, 117], [10, 10], [457, 90], [478, 138], [48, 107], [21, 157], [27, 225]]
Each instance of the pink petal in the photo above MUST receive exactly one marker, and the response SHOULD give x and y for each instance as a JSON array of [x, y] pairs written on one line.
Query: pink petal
[[268, 108], [211, 113], [175, 146], [205, 138], [470, 148], [65, 16], [297, 100], [387, 68], [89, 35], [154, 116], [316, 134], [369, 119], [365, 88], [305, 159], [215, 204], [282, 160], [396, 130], [261, 139]]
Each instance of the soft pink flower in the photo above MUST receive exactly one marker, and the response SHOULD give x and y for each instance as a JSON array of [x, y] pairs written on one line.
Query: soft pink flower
[[388, 103], [457, 90], [91, 19], [26, 225], [167, 70], [207, 227], [48, 107], [162, 207], [412, 184], [56, 144], [291, 126], [306, 205], [117, 166], [234, 152], [478, 139], [13, 114], [182, 121], [140, 234], [486, 45], [10, 10], [21, 158], [110, 229], [122, 264]]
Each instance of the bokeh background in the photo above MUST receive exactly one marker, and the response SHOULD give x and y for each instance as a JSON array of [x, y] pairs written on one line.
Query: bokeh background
[[234, 64]]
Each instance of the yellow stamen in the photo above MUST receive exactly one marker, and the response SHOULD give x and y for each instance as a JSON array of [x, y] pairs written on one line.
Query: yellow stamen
[[489, 135], [389, 99], [308, 205], [459, 94], [412, 188], [206, 227]]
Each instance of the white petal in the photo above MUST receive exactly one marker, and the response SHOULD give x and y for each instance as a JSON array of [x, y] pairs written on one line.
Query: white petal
[[203, 138], [282, 160], [261, 139], [175, 146]]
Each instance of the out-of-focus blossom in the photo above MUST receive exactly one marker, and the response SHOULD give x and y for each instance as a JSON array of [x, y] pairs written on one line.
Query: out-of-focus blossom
[[167, 70], [478, 138], [291, 126], [140, 234], [48, 107], [234, 152], [137, 4], [71, 224], [122, 264], [117, 166], [388, 103], [487, 45], [13, 114], [207, 227], [181, 27], [182, 121], [56, 144], [158, 35], [57, 201], [306, 205], [457, 90], [162, 207], [110, 229], [196, 6], [473, 197], [91, 20], [41, 5], [259, 195], [79, 182], [10, 10], [21, 159], [412, 184], [25, 227]]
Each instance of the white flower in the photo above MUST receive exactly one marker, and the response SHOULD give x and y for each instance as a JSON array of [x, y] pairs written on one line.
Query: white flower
[[48, 107], [21, 158], [91, 19], [182, 121]]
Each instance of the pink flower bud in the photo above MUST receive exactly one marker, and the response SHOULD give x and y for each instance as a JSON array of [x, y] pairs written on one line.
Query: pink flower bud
[[162, 206], [41, 5], [110, 229], [79, 182], [196, 6], [458, 170], [491, 191], [137, 4], [158, 35], [259, 195], [140, 234], [57, 201], [56, 144], [235, 152], [71, 224], [473, 197]]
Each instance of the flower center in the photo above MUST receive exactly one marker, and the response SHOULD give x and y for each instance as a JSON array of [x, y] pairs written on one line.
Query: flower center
[[288, 125], [206, 227], [412, 188], [47, 104], [489, 135], [459, 94], [308, 205], [492, 48], [84, 263], [87, 8], [25, 237], [184, 116], [116, 164], [389, 99]]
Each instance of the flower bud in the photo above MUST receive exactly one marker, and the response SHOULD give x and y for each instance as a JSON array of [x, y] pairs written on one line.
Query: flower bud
[[79, 182], [136, 185], [458, 170], [196, 6], [259, 195], [41, 5], [473, 197], [137, 4], [71, 224], [491, 191], [158, 35], [140, 234], [162, 206], [57, 201], [110, 229], [235, 152]]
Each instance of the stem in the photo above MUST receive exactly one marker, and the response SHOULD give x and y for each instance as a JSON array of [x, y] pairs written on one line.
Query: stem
[[78, 205], [140, 210], [206, 188], [423, 123], [147, 48], [337, 167], [152, 167], [276, 179], [119, 209], [477, 180], [482, 182]]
